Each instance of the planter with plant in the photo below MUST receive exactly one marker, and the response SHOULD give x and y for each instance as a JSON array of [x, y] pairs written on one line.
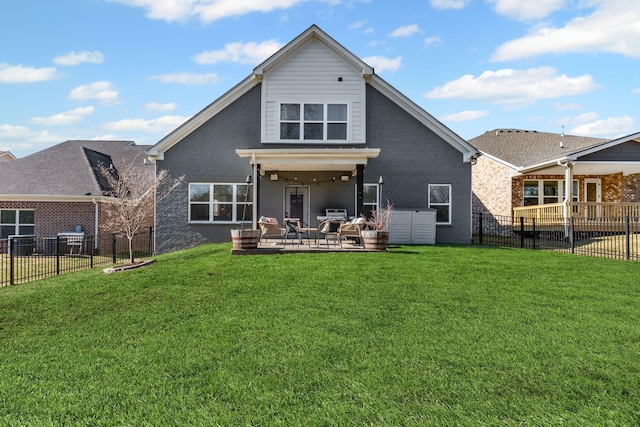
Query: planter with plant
[[376, 234]]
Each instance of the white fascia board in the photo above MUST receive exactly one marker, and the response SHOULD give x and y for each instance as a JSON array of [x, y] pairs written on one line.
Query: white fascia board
[[500, 161], [313, 31], [50, 198], [609, 144], [157, 151], [553, 162], [457, 142]]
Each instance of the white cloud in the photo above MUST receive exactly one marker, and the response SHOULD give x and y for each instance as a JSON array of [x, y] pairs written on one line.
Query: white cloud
[[464, 116], [188, 78], [103, 92], [636, 90], [205, 10], [358, 24], [611, 127], [612, 28], [22, 74], [75, 58], [567, 106], [242, 53], [578, 120], [405, 31], [155, 106], [163, 124], [514, 87], [381, 63], [20, 139], [430, 41], [526, 10], [450, 4], [66, 118]]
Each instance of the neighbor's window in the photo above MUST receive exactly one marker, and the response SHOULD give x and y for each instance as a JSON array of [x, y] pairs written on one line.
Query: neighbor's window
[[313, 122], [212, 202], [440, 200], [16, 222], [370, 196], [539, 192]]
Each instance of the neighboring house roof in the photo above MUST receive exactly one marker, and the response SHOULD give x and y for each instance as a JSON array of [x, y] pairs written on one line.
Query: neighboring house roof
[[314, 32], [69, 170], [6, 156], [525, 149]]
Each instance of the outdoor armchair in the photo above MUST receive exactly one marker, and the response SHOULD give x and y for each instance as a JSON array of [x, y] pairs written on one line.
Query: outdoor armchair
[[351, 229], [270, 229]]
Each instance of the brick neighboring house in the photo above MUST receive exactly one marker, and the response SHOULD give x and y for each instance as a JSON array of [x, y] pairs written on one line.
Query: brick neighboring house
[[529, 168], [60, 188], [315, 128]]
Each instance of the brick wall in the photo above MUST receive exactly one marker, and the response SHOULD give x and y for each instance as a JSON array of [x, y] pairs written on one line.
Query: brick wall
[[489, 181], [52, 218]]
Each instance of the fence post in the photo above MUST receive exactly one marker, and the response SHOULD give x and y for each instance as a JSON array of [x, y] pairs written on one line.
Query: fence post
[[92, 240], [480, 228], [572, 241], [533, 223], [150, 241], [12, 254], [628, 236], [521, 232], [57, 255], [114, 247]]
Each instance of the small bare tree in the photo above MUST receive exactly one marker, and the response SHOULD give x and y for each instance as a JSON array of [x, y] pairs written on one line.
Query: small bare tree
[[134, 190]]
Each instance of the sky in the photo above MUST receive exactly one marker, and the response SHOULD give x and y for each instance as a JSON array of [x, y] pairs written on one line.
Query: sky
[[137, 69]]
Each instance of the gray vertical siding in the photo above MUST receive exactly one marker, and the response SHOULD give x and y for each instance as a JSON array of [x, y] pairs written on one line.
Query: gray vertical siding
[[411, 157]]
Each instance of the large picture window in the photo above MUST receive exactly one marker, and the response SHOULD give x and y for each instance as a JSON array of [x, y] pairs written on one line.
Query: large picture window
[[213, 202], [313, 122], [440, 200], [540, 192], [16, 222]]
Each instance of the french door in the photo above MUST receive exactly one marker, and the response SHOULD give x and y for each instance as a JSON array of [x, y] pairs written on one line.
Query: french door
[[296, 199]]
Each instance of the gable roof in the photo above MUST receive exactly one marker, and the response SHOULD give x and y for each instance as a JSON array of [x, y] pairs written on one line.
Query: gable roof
[[313, 32], [68, 170], [528, 149], [6, 156]]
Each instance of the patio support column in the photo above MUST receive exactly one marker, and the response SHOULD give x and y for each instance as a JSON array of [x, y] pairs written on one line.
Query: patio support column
[[359, 190], [256, 196]]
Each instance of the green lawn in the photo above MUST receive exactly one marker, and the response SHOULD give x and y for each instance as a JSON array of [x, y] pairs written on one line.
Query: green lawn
[[416, 336]]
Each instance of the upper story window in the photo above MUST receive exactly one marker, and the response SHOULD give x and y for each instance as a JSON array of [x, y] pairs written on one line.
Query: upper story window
[[16, 222], [313, 122]]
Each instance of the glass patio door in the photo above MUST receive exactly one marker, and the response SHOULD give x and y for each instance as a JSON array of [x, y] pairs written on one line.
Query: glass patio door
[[592, 195], [297, 203]]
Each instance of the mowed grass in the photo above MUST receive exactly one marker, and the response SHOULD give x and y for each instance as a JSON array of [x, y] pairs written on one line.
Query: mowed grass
[[415, 336]]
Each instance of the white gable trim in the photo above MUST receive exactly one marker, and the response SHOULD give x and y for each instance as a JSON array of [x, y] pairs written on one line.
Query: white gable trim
[[467, 150], [158, 150], [606, 145]]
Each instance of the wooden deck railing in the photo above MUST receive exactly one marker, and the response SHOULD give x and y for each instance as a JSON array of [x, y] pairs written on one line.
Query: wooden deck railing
[[553, 211]]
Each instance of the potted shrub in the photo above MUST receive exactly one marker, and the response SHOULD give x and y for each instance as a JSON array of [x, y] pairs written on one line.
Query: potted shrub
[[376, 234]]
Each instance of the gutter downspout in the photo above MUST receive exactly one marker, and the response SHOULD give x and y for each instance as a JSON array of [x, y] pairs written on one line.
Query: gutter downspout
[[96, 222]]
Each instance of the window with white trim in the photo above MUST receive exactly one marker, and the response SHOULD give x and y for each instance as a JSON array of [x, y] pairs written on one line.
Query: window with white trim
[[218, 202], [440, 200], [16, 222], [313, 122], [540, 192]]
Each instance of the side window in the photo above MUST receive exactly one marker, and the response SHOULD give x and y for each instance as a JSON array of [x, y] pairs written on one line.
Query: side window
[[16, 222], [440, 199], [209, 202], [370, 197]]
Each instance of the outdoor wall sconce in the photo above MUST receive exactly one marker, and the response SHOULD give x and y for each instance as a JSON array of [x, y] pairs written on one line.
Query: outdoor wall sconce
[[344, 178], [274, 177]]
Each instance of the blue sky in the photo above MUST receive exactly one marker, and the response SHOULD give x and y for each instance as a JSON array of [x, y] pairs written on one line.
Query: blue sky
[[137, 69]]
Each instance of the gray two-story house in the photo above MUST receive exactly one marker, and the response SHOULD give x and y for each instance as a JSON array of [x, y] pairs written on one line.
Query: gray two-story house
[[312, 128]]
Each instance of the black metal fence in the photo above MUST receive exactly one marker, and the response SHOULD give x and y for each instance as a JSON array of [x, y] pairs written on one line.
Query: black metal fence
[[27, 258], [617, 238]]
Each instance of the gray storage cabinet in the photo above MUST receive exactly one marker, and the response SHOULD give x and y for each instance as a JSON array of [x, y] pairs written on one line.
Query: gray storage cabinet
[[413, 227]]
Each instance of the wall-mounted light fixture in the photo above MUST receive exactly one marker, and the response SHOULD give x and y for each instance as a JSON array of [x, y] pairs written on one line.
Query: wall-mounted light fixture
[[274, 176], [344, 178]]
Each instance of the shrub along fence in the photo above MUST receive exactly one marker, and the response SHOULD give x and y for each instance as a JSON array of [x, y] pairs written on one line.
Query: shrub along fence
[[614, 237], [27, 258]]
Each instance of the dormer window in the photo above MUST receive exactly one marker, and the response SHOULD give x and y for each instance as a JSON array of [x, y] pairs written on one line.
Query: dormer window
[[313, 122]]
